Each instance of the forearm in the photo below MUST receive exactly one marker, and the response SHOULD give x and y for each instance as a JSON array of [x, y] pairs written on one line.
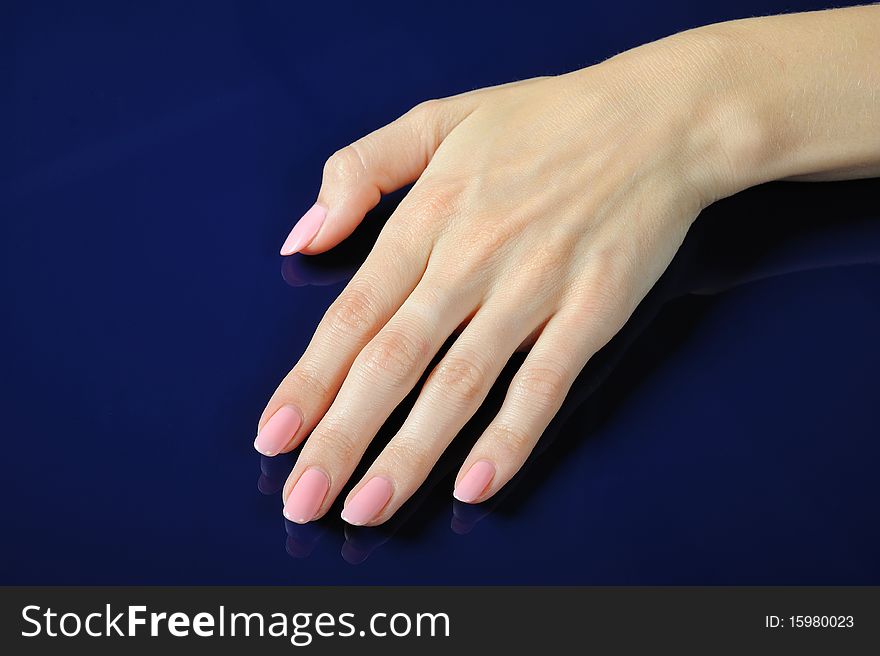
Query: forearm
[[810, 94], [795, 96]]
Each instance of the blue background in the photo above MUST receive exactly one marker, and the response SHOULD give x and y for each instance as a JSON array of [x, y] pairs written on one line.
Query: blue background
[[154, 156]]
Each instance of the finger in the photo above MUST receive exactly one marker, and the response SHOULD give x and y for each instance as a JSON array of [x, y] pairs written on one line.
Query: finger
[[533, 398], [356, 176], [380, 377], [452, 393], [389, 274]]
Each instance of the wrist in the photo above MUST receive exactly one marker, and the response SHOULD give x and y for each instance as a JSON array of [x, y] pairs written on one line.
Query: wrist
[[701, 106], [802, 111], [731, 97]]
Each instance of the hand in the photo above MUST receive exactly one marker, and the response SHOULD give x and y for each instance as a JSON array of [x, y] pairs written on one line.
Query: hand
[[542, 213]]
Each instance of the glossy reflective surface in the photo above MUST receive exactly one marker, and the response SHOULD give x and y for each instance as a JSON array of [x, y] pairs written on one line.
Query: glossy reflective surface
[[727, 435]]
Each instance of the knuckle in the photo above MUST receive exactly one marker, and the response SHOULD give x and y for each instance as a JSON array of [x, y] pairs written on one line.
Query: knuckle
[[344, 166], [335, 441], [542, 385], [547, 261], [540, 278], [605, 294], [437, 199], [395, 354], [601, 301], [614, 265], [489, 240], [460, 264], [426, 112], [513, 441], [460, 377], [614, 262], [354, 311], [304, 377], [405, 456]]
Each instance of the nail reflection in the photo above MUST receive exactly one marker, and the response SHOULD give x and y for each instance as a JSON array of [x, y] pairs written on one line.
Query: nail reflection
[[466, 515], [361, 541], [274, 472], [303, 538], [304, 270]]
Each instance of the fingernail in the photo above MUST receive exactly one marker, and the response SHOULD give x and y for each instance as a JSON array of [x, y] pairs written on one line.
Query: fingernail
[[305, 230], [307, 496], [475, 482], [278, 431], [368, 502]]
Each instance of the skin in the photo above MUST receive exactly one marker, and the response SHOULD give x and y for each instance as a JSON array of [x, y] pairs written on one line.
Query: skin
[[542, 213]]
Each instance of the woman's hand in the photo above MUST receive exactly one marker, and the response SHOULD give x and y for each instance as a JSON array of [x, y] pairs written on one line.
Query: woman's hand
[[542, 212]]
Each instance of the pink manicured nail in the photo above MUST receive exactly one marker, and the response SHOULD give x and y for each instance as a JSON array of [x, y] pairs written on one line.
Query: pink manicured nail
[[278, 431], [305, 230], [367, 503], [475, 482], [307, 496]]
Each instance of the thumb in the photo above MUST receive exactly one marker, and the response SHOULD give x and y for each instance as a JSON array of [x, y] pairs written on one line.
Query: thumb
[[356, 176]]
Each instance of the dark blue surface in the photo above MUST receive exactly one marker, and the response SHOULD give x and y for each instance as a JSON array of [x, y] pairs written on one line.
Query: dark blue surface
[[154, 158]]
